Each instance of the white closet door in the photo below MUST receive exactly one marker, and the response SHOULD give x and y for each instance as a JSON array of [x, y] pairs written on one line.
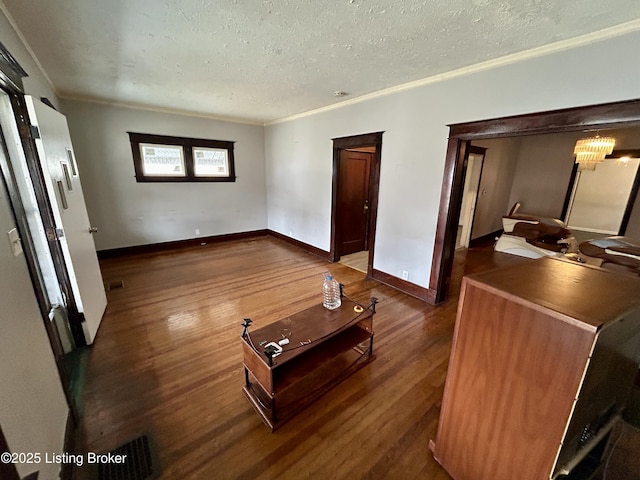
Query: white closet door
[[70, 212]]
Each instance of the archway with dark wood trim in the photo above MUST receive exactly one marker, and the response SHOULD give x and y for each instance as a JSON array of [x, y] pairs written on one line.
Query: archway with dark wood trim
[[596, 117], [354, 142]]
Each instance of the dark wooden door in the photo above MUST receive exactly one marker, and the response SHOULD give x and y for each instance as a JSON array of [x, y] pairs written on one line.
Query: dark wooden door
[[353, 201]]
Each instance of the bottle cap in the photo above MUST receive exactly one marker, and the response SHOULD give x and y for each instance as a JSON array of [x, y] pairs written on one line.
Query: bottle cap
[[329, 277]]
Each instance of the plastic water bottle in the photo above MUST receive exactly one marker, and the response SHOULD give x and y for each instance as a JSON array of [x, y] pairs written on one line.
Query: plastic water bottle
[[331, 293]]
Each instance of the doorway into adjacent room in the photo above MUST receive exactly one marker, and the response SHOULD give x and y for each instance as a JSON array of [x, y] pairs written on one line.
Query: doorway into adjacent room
[[589, 118], [356, 174], [600, 202]]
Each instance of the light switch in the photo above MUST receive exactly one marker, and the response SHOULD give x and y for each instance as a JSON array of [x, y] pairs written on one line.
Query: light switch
[[14, 241]]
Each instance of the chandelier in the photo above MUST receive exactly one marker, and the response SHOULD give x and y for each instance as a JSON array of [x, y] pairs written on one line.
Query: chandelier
[[591, 151]]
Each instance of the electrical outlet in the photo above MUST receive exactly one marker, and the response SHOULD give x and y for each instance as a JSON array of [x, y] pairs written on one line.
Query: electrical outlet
[[197, 231], [405, 275], [14, 241]]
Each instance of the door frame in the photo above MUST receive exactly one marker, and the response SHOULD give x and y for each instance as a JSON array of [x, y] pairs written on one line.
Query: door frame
[[76, 318], [8, 470], [605, 116], [345, 143], [631, 199]]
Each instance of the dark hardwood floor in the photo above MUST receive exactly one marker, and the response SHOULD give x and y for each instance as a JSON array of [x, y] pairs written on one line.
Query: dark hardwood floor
[[168, 360]]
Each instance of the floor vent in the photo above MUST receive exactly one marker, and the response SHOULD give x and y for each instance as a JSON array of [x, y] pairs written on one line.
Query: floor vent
[[113, 285], [140, 463]]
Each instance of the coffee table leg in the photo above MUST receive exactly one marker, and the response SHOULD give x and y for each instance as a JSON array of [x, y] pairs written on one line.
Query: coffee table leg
[[274, 416]]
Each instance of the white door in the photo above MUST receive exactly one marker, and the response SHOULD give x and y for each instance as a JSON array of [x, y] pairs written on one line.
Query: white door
[[469, 196], [48, 278], [70, 213]]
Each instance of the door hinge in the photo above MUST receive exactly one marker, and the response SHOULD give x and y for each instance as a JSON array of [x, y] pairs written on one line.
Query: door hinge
[[35, 133], [54, 234]]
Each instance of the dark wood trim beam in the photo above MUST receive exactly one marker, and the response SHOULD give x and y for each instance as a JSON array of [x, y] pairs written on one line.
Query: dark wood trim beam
[[603, 116], [11, 73], [163, 246], [426, 294], [354, 141], [477, 150]]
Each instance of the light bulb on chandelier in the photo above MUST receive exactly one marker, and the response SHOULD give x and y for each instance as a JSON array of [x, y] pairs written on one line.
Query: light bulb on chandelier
[[593, 150]]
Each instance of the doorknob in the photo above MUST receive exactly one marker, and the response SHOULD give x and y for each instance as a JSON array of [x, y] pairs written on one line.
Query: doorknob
[[93, 230], [366, 206]]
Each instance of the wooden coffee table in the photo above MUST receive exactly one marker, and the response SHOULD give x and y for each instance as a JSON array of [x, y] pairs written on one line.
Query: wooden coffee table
[[325, 347]]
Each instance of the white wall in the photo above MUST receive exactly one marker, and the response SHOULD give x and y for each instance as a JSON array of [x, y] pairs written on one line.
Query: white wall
[[544, 169], [498, 170], [36, 83], [130, 213], [298, 152], [543, 172], [33, 409]]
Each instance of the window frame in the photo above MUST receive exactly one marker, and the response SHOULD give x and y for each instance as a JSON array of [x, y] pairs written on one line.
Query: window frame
[[187, 144]]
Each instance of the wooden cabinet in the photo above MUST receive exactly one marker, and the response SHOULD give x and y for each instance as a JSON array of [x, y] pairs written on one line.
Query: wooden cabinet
[[323, 347], [543, 359]]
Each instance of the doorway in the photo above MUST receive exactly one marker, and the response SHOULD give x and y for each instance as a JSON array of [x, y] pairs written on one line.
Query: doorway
[[472, 176], [600, 201], [55, 237], [38, 247], [354, 206], [595, 117]]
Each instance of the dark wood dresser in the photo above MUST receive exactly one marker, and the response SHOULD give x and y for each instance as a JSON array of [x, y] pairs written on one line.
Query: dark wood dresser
[[543, 360]]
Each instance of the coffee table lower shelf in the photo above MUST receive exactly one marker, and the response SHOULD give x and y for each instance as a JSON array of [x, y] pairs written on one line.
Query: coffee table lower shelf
[[276, 409]]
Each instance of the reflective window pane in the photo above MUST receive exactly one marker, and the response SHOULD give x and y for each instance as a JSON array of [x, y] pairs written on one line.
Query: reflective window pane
[[162, 160], [210, 162]]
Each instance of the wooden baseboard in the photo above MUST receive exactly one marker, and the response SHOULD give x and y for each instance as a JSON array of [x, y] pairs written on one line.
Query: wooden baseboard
[[193, 242], [190, 242], [426, 294], [409, 288], [485, 239], [305, 246]]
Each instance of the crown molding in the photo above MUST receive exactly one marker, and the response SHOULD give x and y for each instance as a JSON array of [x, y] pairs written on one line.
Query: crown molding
[[184, 113], [560, 46], [27, 47]]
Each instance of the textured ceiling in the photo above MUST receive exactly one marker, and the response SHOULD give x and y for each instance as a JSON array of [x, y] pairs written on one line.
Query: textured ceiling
[[264, 60]]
